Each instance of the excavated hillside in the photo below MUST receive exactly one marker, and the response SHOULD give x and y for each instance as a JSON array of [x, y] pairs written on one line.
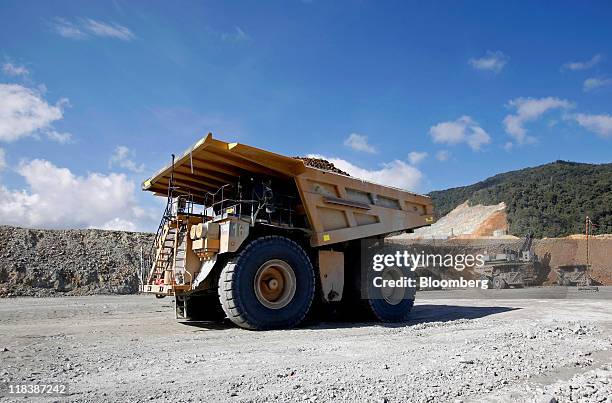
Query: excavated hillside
[[550, 200], [70, 262], [466, 221]]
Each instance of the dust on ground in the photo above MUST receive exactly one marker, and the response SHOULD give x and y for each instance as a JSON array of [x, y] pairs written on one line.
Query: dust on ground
[[130, 348]]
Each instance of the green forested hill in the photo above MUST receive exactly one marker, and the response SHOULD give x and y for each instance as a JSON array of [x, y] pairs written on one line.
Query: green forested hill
[[550, 200]]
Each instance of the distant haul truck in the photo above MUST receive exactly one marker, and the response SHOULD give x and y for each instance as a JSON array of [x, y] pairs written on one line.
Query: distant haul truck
[[573, 275], [257, 237], [512, 268]]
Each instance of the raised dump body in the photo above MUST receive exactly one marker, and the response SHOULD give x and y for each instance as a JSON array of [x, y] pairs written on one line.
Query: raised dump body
[[263, 231]]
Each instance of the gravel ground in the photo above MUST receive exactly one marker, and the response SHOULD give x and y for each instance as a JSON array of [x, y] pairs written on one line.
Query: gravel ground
[[129, 348]]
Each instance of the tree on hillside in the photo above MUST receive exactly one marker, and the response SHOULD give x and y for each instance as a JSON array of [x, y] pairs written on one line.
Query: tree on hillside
[[551, 200]]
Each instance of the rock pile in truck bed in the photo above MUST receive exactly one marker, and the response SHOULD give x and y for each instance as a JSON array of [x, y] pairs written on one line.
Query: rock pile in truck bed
[[320, 163], [69, 262]]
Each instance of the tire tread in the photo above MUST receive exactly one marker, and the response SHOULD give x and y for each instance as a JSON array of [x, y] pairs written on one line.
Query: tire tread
[[230, 300]]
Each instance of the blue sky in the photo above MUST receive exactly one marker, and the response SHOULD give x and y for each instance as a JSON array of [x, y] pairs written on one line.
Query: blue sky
[[424, 95]]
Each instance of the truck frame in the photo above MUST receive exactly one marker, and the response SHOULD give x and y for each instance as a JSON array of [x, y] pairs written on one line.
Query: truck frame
[[257, 236]]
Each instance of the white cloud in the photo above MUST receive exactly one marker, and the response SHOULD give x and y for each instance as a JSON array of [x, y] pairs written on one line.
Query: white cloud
[[591, 84], [56, 198], [508, 146], [599, 124], [395, 173], [67, 29], [109, 30], [478, 138], [62, 138], [584, 65], [238, 35], [529, 109], [85, 27], [415, 157], [359, 142], [442, 155], [121, 158], [23, 112], [2, 159], [14, 70], [462, 130], [119, 224], [492, 61]]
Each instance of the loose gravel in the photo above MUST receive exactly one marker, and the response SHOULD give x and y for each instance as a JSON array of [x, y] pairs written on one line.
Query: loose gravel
[[130, 348]]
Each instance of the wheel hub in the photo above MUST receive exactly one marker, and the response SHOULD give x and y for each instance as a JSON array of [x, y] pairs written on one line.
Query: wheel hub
[[275, 284]]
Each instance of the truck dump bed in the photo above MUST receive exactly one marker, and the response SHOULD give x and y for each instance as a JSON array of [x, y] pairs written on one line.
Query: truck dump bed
[[338, 208]]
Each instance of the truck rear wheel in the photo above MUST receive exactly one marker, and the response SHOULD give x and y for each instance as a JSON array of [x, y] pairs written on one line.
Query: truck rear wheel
[[499, 283], [269, 285], [390, 304]]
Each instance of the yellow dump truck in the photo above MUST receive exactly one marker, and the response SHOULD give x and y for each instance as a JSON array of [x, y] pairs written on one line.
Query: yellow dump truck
[[257, 237]]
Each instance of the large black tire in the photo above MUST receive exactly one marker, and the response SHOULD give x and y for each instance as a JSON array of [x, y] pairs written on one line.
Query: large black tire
[[246, 302], [389, 308]]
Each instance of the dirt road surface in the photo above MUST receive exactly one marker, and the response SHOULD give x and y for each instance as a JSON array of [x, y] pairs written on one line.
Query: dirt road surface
[[130, 348]]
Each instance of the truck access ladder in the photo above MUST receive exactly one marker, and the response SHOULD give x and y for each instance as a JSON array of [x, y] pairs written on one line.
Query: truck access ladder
[[169, 253], [180, 253], [164, 252]]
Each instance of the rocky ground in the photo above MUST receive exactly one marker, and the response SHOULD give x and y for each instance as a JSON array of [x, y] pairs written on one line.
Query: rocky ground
[[70, 262], [501, 348]]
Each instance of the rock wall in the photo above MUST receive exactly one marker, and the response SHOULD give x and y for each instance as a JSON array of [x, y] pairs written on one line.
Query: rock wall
[[70, 262], [568, 251]]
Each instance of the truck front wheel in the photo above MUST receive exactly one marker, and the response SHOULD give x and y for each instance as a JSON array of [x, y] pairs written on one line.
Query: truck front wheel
[[269, 285]]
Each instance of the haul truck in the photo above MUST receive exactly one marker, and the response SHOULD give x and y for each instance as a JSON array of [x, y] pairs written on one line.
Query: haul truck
[[257, 237], [512, 268]]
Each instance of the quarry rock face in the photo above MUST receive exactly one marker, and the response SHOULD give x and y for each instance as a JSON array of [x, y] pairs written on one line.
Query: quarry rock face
[[70, 262], [466, 221]]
